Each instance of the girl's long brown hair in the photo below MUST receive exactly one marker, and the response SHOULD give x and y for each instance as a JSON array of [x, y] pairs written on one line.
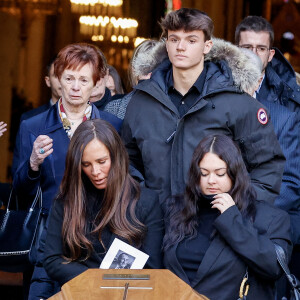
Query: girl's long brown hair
[[120, 196], [182, 210]]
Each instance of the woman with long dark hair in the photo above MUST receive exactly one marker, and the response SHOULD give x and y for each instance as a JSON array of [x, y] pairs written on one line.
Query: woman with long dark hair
[[99, 201], [217, 233]]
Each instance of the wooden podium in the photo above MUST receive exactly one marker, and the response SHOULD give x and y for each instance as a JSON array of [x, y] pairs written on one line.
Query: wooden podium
[[99, 284]]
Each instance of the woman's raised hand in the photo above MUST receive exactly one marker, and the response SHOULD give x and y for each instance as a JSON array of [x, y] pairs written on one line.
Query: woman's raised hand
[[2, 127], [42, 147]]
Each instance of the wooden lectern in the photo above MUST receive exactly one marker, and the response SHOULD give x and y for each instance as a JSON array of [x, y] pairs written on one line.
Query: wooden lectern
[[100, 284]]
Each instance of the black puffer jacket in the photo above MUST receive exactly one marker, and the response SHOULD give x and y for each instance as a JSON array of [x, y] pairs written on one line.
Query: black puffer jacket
[[160, 143]]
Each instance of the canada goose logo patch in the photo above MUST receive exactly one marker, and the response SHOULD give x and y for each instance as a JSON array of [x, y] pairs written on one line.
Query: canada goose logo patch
[[262, 116]]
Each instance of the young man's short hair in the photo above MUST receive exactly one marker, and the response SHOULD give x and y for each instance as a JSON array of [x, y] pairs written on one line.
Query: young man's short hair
[[188, 19], [256, 24]]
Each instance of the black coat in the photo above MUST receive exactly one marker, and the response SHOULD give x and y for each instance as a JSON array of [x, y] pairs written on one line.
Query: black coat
[[100, 104], [237, 244], [148, 211], [160, 143]]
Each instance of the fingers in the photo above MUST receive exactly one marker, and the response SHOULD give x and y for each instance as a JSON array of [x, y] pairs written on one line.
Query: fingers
[[43, 142], [45, 151], [222, 202], [219, 207], [2, 127], [43, 139], [42, 147], [224, 196]]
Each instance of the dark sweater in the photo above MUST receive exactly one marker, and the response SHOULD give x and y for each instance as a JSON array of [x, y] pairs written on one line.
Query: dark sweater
[[191, 251]]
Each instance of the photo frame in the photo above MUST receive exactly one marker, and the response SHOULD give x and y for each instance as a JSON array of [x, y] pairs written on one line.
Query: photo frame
[[121, 255]]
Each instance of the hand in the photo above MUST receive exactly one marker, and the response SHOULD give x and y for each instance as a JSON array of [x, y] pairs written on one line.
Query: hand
[[2, 127], [222, 202], [43, 143]]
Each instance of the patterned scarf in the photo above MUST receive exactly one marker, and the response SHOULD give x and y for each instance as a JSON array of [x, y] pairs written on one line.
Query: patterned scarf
[[65, 120]]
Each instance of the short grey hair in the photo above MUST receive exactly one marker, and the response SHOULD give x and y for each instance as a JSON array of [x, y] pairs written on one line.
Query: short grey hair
[[246, 69], [146, 57], [253, 58]]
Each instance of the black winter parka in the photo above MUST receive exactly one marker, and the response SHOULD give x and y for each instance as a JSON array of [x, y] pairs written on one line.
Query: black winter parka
[[160, 143]]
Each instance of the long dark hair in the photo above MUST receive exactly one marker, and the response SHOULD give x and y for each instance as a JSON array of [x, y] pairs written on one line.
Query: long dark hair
[[120, 196], [182, 210]]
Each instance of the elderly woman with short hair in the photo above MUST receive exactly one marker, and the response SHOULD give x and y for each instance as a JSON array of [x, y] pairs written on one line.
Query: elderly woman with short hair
[[44, 139]]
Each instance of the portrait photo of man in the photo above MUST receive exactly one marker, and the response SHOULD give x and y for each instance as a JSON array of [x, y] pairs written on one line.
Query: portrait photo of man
[[122, 261]]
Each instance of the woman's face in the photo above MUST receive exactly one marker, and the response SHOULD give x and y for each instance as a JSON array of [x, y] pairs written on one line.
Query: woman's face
[[77, 85], [110, 84], [95, 163], [214, 178]]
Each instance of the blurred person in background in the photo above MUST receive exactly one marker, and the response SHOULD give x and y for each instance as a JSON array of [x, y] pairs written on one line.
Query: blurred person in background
[[114, 83], [101, 95], [280, 94], [279, 84], [146, 57]]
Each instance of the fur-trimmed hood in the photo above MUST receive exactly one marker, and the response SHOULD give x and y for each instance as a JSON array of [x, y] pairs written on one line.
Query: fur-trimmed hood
[[245, 72]]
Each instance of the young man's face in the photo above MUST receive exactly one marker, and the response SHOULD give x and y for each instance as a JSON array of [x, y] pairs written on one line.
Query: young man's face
[[259, 43], [186, 49]]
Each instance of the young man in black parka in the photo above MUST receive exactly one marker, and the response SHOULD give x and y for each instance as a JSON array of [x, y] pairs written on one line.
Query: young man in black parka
[[188, 98]]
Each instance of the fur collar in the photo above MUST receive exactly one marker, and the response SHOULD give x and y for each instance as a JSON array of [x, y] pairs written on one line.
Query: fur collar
[[245, 72]]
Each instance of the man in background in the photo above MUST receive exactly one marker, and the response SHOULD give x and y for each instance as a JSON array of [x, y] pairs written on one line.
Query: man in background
[[54, 85], [280, 93], [101, 94], [279, 80]]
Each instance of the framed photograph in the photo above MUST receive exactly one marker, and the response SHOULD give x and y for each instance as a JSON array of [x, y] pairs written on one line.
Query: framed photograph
[[121, 255]]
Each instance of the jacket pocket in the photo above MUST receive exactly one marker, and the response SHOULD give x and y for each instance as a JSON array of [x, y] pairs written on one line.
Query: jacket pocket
[[254, 150]]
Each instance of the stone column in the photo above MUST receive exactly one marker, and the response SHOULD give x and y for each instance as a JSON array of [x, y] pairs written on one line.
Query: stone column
[[21, 55]]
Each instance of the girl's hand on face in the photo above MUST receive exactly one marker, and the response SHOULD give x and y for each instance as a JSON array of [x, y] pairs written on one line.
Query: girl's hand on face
[[222, 202]]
